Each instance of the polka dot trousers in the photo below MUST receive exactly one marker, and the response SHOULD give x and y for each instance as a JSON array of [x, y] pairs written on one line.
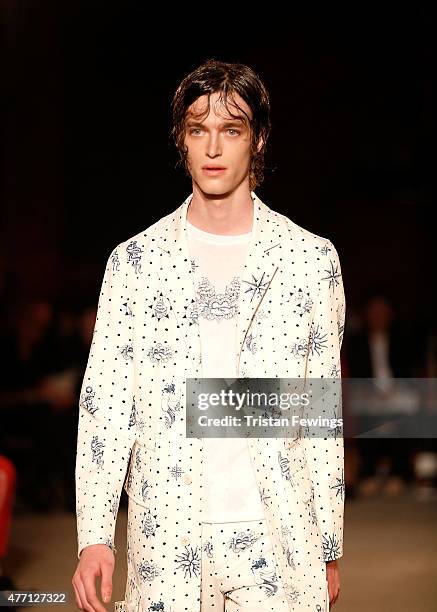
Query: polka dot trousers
[[238, 569]]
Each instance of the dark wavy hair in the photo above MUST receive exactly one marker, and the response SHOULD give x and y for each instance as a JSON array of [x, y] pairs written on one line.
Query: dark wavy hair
[[215, 76]]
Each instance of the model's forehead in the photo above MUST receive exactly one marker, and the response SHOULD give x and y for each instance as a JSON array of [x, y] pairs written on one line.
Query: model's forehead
[[217, 106]]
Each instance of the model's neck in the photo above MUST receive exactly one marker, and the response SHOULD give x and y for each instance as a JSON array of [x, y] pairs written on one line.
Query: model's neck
[[228, 214]]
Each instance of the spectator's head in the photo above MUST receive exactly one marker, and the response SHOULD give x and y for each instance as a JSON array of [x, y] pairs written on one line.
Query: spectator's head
[[378, 311], [33, 317]]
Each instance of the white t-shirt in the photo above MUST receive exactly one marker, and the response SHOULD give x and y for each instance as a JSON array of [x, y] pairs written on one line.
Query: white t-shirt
[[229, 484]]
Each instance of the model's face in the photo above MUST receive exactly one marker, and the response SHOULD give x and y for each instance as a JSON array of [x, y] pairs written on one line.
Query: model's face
[[218, 139]]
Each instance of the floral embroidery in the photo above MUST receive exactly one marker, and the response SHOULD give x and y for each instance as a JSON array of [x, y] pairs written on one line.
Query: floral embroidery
[[160, 353]]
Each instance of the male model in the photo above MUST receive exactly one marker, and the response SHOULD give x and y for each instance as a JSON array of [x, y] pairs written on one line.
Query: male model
[[224, 286]]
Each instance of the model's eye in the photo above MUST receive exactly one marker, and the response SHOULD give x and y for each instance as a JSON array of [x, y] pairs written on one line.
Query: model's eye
[[194, 130], [235, 131]]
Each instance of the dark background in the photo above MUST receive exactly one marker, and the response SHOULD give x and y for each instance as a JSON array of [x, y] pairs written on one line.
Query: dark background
[[89, 162]]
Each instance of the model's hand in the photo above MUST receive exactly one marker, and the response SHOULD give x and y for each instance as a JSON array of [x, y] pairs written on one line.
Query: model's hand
[[333, 578], [95, 560]]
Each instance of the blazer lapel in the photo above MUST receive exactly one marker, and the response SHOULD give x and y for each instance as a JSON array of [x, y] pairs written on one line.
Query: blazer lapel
[[177, 275], [261, 267]]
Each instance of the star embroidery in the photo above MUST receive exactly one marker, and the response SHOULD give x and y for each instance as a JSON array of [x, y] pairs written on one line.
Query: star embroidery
[[176, 471], [333, 275], [339, 486], [256, 286]]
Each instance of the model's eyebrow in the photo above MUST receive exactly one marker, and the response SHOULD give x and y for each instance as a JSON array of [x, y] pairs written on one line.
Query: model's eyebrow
[[192, 123]]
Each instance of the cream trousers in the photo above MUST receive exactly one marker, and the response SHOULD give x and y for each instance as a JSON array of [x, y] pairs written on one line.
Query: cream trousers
[[238, 569]]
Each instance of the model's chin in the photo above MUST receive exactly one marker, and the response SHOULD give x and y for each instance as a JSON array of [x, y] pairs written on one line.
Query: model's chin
[[213, 185], [210, 179]]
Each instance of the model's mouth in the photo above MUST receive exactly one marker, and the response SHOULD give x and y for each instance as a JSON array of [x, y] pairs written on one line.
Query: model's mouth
[[213, 169]]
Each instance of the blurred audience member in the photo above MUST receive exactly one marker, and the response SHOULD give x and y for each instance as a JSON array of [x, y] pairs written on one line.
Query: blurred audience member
[[39, 382], [383, 349], [425, 456], [8, 478]]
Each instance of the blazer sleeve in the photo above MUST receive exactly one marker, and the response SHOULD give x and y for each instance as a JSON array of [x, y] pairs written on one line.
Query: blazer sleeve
[[325, 450], [106, 406]]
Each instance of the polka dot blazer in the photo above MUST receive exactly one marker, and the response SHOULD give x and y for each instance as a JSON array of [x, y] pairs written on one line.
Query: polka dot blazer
[[132, 426]]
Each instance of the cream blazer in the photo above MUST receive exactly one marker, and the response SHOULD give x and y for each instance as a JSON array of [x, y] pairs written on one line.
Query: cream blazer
[[132, 425]]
